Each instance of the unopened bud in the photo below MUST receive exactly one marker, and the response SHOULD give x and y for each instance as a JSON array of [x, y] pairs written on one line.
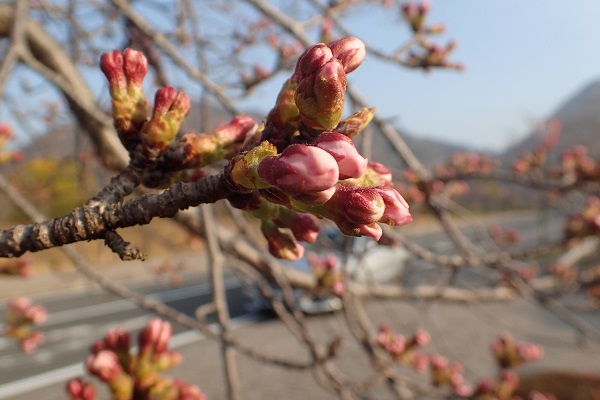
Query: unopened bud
[[349, 51]]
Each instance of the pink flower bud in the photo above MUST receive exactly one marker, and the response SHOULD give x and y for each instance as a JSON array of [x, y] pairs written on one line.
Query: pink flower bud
[[237, 132], [420, 338], [104, 365], [300, 168], [30, 343], [170, 108], [312, 60], [420, 362], [117, 340], [303, 226], [396, 208], [355, 210], [5, 131], [36, 314], [350, 163], [349, 51], [281, 244], [136, 68], [79, 390], [320, 97], [154, 338], [113, 67]]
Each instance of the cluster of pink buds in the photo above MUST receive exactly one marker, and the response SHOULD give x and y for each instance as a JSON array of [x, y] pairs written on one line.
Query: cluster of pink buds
[[433, 56], [577, 166], [403, 350], [327, 273], [22, 315], [449, 374], [135, 376], [504, 237], [16, 267], [586, 222], [428, 55], [416, 14], [306, 160], [465, 163], [6, 135], [501, 388], [125, 72], [510, 354]]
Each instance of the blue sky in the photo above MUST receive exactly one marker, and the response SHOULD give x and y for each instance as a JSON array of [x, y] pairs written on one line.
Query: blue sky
[[523, 59]]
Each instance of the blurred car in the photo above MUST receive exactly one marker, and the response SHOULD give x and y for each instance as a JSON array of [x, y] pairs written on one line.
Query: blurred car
[[363, 258]]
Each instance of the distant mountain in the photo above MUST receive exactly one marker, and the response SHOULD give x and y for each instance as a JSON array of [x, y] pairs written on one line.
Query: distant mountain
[[580, 116]]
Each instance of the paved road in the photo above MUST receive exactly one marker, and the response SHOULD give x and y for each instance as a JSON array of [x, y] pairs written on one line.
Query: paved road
[[79, 319]]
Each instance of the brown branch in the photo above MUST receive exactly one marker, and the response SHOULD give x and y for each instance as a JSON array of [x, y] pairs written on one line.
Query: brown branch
[[216, 260], [89, 223]]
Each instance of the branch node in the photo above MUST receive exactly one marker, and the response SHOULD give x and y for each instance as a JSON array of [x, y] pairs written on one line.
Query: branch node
[[118, 245]]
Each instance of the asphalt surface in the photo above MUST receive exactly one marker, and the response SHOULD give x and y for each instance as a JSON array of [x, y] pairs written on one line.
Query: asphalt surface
[[84, 315]]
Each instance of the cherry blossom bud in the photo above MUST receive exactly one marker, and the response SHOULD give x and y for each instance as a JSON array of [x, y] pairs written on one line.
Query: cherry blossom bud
[[356, 123], [79, 390], [300, 168], [312, 60], [396, 208], [117, 340], [125, 73], [154, 338], [420, 362], [31, 342], [281, 244], [320, 97], [350, 163], [236, 133], [186, 391], [349, 51], [420, 338], [104, 365], [303, 226], [113, 66], [170, 108], [36, 314], [136, 68], [355, 210]]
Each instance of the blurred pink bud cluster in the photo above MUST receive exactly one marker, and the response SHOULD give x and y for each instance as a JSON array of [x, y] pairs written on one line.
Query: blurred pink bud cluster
[[16, 267], [510, 354], [328, 274], [501, 388], [135, 376], [504, 237], [576, 166], [405, 350], [125, 72], [464, 163], [449, 374], [155, 132], [433, 56], [6, 135], [21, 317], [427, 55], [586, 222]]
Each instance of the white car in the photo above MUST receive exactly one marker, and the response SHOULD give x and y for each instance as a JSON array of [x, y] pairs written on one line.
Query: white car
[[365, 260]]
